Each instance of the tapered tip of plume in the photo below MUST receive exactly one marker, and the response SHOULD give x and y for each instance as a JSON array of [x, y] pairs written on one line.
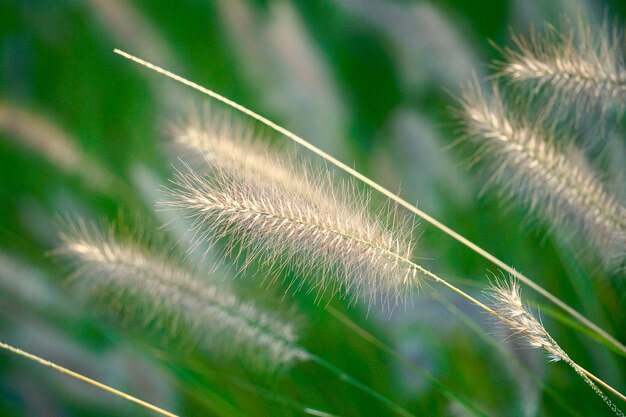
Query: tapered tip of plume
[[145, 287], [507, 302]]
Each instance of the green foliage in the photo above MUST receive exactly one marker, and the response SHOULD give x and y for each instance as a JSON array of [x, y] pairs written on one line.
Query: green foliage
[[370, 82]]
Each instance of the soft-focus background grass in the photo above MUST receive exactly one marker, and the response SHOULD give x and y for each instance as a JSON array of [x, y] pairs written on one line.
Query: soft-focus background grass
[[370, 81]]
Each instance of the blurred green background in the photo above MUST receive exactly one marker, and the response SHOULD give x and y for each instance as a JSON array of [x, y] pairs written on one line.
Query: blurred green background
[[82, 132]]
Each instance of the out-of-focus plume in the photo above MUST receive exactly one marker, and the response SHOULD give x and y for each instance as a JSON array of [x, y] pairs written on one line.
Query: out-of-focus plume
[[558, 185], [43, 137], [149, 287]]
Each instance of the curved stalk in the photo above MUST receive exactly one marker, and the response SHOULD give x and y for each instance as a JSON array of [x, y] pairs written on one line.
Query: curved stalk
[[87, 380], [399, 200]]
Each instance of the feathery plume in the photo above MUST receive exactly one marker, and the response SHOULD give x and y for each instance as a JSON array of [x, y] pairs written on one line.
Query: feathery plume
[[583, 65], [507, 302], [216, 318], [218, 139], [300, 218], [559, 186]]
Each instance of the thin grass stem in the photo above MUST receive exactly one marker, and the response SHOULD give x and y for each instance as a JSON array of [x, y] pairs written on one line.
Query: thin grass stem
[[399, 200], [85, 379], [602, 383]]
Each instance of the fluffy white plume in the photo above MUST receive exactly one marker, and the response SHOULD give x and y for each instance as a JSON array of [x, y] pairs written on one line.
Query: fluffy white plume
[[581, 64], [507, 302], [148, 287], [213, 139], [507, 299], [294, 216], [559, 186]]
